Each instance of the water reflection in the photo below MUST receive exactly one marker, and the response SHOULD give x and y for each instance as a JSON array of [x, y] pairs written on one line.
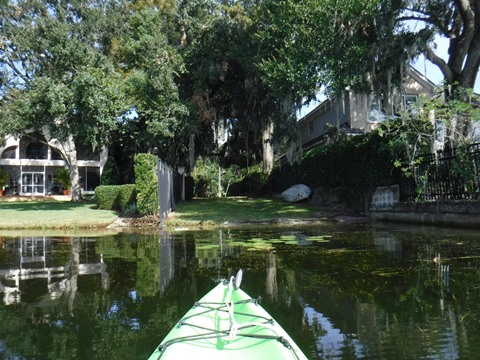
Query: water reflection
[[355, 292], [32, 258]]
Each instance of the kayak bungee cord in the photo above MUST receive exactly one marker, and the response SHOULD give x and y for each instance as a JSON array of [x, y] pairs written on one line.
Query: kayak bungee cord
[[235, 328]]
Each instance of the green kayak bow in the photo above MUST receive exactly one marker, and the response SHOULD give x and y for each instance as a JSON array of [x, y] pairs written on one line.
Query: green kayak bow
[[227, 324]]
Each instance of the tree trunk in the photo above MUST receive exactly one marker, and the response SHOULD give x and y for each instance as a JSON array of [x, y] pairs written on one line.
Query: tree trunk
[[191, 153], [267, 146], [70, 154]]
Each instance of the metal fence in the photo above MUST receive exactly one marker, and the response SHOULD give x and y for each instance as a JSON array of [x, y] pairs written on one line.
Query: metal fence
[[447, 175], [170, 185]]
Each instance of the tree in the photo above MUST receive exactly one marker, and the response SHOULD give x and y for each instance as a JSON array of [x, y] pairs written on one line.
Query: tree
[[459, 22], [221, 83], [151, 67], [337, 43], [310, 43], [366, 45], [56, 75]]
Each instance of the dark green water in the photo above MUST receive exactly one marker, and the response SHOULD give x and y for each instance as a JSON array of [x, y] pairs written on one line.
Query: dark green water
[[342, 292]]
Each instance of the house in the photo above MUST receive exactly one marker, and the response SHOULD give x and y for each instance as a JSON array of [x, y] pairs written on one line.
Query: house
[[356, 112], [31, 162]]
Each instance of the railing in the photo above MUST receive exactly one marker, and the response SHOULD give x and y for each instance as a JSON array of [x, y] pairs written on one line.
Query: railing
[[446, 175]]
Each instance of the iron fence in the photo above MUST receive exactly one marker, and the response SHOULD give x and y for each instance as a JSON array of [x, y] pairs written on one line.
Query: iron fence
[[170, 185], [447, 175]]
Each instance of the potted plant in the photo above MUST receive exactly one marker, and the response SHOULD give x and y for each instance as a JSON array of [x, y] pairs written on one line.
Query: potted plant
[[62, 176], [4, 177]]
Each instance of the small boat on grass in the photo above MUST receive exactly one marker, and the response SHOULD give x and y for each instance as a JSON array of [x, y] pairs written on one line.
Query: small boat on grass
[[227, 324]]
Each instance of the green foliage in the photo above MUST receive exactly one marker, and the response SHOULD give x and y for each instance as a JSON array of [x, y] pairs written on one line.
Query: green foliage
[[62, 176], [206, 176], [310, 43], [4, 178], [427, 127], [110, 174], [361, 43], [66, 81], [151, 66], [146, 183], [115, 197], [361, 162], [465, 166], [57, 73]]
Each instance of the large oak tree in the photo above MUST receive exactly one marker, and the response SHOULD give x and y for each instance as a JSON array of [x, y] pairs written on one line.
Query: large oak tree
[[310, 43], [56, 74]]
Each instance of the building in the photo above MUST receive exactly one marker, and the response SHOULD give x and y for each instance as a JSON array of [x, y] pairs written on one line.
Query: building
[[355, 112], [31, 163]]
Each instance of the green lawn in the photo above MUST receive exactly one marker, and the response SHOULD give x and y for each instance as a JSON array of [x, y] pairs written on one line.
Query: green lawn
[[50, 214], [211, 212]]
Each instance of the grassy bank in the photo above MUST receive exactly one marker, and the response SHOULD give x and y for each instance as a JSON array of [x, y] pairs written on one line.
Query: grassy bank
[[51, 214], [198, 213], [230, 211]]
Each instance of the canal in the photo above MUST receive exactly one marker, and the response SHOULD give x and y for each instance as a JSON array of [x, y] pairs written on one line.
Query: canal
[[361, 291]]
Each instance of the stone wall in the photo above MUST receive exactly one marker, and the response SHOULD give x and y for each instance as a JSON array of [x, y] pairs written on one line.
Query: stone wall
[[444, 213]]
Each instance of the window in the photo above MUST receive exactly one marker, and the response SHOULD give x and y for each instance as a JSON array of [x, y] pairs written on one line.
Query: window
[[409, 101], [9, 153], [36, 150], [55, 154], [310, 127]]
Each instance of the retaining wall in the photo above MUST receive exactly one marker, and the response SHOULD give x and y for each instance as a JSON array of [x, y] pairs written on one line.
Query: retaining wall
[[445, 213]]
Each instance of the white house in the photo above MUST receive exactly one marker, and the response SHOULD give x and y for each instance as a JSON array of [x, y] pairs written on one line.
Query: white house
[[31, 161]]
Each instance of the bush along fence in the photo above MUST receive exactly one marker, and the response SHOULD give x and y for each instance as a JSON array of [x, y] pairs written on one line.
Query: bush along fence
[[449, 175], [158, 186], [157, 189]]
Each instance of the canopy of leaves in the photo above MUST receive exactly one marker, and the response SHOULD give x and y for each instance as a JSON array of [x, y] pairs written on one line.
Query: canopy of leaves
[[363, 44], [55, 70], [311, 43]]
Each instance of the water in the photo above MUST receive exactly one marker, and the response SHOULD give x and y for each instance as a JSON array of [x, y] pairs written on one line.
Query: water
[[342, 292]]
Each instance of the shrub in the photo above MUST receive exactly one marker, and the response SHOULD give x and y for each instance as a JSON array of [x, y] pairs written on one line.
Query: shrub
[[115, 197], [146, 183], [110, 174], [234, 181], [361, 162]]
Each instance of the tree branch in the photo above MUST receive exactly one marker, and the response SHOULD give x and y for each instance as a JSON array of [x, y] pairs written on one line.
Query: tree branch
[[426, 18], [442, 64]]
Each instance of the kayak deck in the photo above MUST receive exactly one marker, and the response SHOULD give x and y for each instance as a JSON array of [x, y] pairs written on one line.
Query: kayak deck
[[227, 324]]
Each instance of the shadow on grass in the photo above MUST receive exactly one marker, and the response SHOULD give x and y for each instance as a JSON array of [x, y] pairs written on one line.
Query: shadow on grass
[[42, 205]]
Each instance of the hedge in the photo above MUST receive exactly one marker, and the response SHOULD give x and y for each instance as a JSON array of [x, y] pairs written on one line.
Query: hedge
[[115, 197], [146, 182]]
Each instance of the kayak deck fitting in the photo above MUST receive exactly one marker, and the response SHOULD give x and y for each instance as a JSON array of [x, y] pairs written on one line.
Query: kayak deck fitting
[[227, 324]]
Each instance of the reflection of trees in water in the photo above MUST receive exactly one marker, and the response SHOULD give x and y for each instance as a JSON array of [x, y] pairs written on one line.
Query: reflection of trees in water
[[365, 301], [37, 260], [271, 280]]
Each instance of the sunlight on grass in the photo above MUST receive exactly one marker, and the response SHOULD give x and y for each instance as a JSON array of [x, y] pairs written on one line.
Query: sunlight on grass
[[52, 215], [219, 211]]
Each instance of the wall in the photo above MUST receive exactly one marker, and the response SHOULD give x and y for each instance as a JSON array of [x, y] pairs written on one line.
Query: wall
[[444, 213], [334, 112]]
